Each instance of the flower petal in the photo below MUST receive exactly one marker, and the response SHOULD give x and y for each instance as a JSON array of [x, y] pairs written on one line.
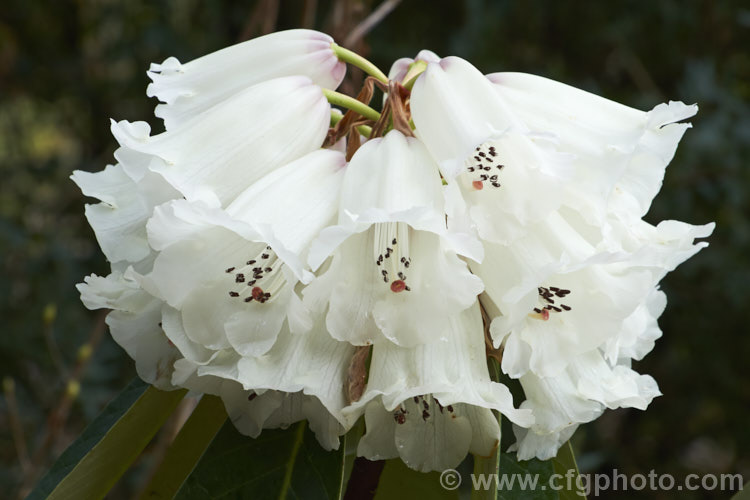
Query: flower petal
[[119, 221], [135, 323], [437, 443], [392, 176], [309, 189]]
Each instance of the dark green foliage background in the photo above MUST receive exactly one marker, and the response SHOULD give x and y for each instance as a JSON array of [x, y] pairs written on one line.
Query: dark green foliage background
[[66, 67]]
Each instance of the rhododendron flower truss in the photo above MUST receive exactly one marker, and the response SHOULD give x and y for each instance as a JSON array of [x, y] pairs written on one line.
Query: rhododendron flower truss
[[305, 262]]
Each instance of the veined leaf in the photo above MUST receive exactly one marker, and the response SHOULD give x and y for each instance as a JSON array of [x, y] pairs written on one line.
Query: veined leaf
[[188, 447], [564, 462], [532, 479], [486, 467], [109, 445], [279, 464], [743, 494]]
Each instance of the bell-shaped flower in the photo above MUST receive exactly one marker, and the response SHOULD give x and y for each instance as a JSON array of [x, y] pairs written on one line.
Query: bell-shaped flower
[[431, 404], [191, 88], [232, 273], [135, 323], [251, 411], [215, 155], [499, 174], [604, 136], [119, 221], [569, 313], [395, 272], [580, 393], [311, 363], [562, 289]]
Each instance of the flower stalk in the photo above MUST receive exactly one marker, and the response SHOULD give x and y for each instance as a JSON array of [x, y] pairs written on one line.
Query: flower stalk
[[345, 101], [357, 60]]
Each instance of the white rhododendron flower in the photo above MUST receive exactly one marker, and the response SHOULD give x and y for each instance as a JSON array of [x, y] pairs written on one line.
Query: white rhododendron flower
[[394, 274], [593, 381], [253, 411], [231, 273], [605, 137], [490, 159], [190, 88], [135, 323], [308, 263], [431, 405], [215, 155]]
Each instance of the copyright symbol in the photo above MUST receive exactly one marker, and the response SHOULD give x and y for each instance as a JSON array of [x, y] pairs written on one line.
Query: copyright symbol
[[450, 479]]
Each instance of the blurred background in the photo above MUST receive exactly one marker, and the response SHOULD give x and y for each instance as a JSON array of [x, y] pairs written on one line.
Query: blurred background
[[67, 67]]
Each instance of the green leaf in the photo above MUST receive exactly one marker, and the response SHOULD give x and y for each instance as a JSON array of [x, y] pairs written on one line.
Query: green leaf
[[188, 447], [278, 464], [486, 467], [743, 494], [564, 462], [531, 479], [399, 481], [349, 445], [96, 460]]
